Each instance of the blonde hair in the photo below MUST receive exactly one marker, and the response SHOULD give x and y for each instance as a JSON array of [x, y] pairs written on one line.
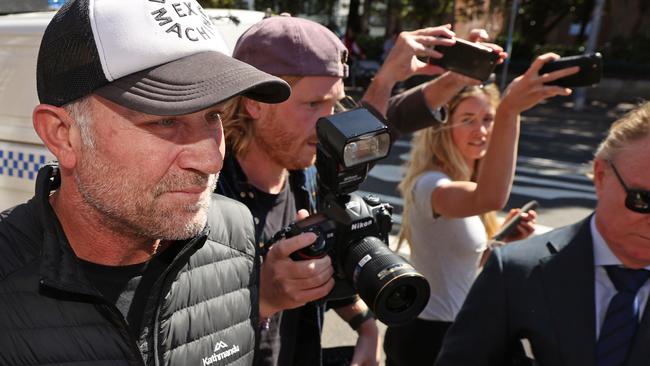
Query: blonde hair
[[634, 125], [238, 125], [433, 149]]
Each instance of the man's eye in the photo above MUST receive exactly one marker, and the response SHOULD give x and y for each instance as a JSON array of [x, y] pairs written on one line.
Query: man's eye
[[166, 123]]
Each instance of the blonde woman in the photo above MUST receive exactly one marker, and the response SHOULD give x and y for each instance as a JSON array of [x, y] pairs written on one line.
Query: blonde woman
[[457, 176]]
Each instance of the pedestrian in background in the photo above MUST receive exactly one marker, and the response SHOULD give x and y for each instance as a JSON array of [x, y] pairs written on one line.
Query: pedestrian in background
[[388, 45]]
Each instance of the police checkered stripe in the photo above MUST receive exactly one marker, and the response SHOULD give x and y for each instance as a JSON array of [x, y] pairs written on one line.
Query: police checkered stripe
[[19, 164]]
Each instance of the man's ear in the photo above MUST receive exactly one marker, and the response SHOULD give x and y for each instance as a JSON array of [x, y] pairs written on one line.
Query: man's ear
[[599, 174], [253, 107], [54, 127]]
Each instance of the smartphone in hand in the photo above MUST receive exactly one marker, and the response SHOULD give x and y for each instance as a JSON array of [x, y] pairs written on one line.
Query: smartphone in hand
[[509, 226], [467, 58], [591, 70]]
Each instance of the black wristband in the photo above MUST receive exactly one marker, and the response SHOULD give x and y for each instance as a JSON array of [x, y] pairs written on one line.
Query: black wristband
[[360, 318]]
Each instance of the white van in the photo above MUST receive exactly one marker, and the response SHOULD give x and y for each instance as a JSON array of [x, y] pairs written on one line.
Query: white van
[[21, 150]]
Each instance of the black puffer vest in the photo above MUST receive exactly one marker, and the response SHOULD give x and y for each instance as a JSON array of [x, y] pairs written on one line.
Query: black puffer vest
[[202, 311]]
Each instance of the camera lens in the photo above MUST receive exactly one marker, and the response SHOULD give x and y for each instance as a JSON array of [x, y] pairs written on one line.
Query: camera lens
[[400, 299], [389, 285]]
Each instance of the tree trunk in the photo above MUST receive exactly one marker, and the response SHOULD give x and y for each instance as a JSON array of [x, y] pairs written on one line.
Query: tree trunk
[[354, 21], [393, 16], [642, 9], [365, 17], [331, 22], [585, 18]]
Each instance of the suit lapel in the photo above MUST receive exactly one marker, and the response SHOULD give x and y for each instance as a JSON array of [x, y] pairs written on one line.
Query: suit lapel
[[639, 353], [568, 282]]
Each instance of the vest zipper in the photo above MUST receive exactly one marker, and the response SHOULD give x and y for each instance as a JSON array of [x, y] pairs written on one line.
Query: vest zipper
[[115, 316], [166, 285]]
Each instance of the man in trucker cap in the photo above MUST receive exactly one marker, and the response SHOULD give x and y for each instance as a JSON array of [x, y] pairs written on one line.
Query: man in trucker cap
[[124, 256]]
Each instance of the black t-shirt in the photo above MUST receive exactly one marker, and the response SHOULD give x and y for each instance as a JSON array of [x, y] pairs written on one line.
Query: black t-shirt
[[271, 212], [129, 287]]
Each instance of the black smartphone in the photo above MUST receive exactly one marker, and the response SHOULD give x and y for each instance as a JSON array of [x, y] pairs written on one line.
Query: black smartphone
[[509, 226], [467, 58], [591, 70]]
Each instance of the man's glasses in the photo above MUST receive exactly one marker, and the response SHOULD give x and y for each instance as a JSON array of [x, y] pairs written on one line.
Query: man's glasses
[[637, 200]]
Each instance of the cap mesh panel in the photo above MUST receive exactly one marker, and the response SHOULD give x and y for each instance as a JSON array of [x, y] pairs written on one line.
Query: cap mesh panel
[[68, 63]]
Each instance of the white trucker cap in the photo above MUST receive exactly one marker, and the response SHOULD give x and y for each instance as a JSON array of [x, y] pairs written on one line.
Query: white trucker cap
[[153, 56]]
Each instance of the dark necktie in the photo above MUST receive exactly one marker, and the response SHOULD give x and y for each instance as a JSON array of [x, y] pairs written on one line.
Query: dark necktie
[[621, 319]]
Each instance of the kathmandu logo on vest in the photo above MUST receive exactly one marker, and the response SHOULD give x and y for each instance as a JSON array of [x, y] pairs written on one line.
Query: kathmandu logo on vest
[[177, 18], [220, 352]]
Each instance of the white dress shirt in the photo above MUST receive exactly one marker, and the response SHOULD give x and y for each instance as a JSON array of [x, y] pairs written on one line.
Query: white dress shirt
[[605, 289]]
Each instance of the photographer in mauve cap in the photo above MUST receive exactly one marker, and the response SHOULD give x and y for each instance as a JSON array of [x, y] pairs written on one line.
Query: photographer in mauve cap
[[268, 167], [124, 256]]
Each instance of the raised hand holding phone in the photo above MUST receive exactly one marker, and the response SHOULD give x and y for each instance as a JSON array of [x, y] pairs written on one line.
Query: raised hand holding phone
[[590, 73], [527, 90], [509, 226], [471, 59]]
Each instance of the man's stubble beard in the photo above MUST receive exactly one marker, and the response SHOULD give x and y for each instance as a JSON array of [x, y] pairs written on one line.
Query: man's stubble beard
[[278, 143], [124, 206]]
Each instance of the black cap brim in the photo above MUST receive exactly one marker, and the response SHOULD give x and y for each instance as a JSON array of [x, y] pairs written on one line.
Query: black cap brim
[[193, 83]]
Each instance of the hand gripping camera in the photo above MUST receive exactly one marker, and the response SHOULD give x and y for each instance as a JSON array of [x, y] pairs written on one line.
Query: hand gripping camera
[[354, 230]]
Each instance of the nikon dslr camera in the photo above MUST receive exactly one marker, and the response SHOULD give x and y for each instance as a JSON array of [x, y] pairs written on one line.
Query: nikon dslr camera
[[354, 230]]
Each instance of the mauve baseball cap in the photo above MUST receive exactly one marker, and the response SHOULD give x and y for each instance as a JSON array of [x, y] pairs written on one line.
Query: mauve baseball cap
[[154, 57], [284, 45]]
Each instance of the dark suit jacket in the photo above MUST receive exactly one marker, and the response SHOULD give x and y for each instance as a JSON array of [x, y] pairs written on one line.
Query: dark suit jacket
[[541, 289], [408, 112]]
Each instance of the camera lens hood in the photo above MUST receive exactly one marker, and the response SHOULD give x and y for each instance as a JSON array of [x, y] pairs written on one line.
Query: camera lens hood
[[388, 283]]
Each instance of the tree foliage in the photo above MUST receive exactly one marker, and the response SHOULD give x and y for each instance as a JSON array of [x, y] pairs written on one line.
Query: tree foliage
[[222, 3], [425, 13], [278, 6], [537, 18]]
